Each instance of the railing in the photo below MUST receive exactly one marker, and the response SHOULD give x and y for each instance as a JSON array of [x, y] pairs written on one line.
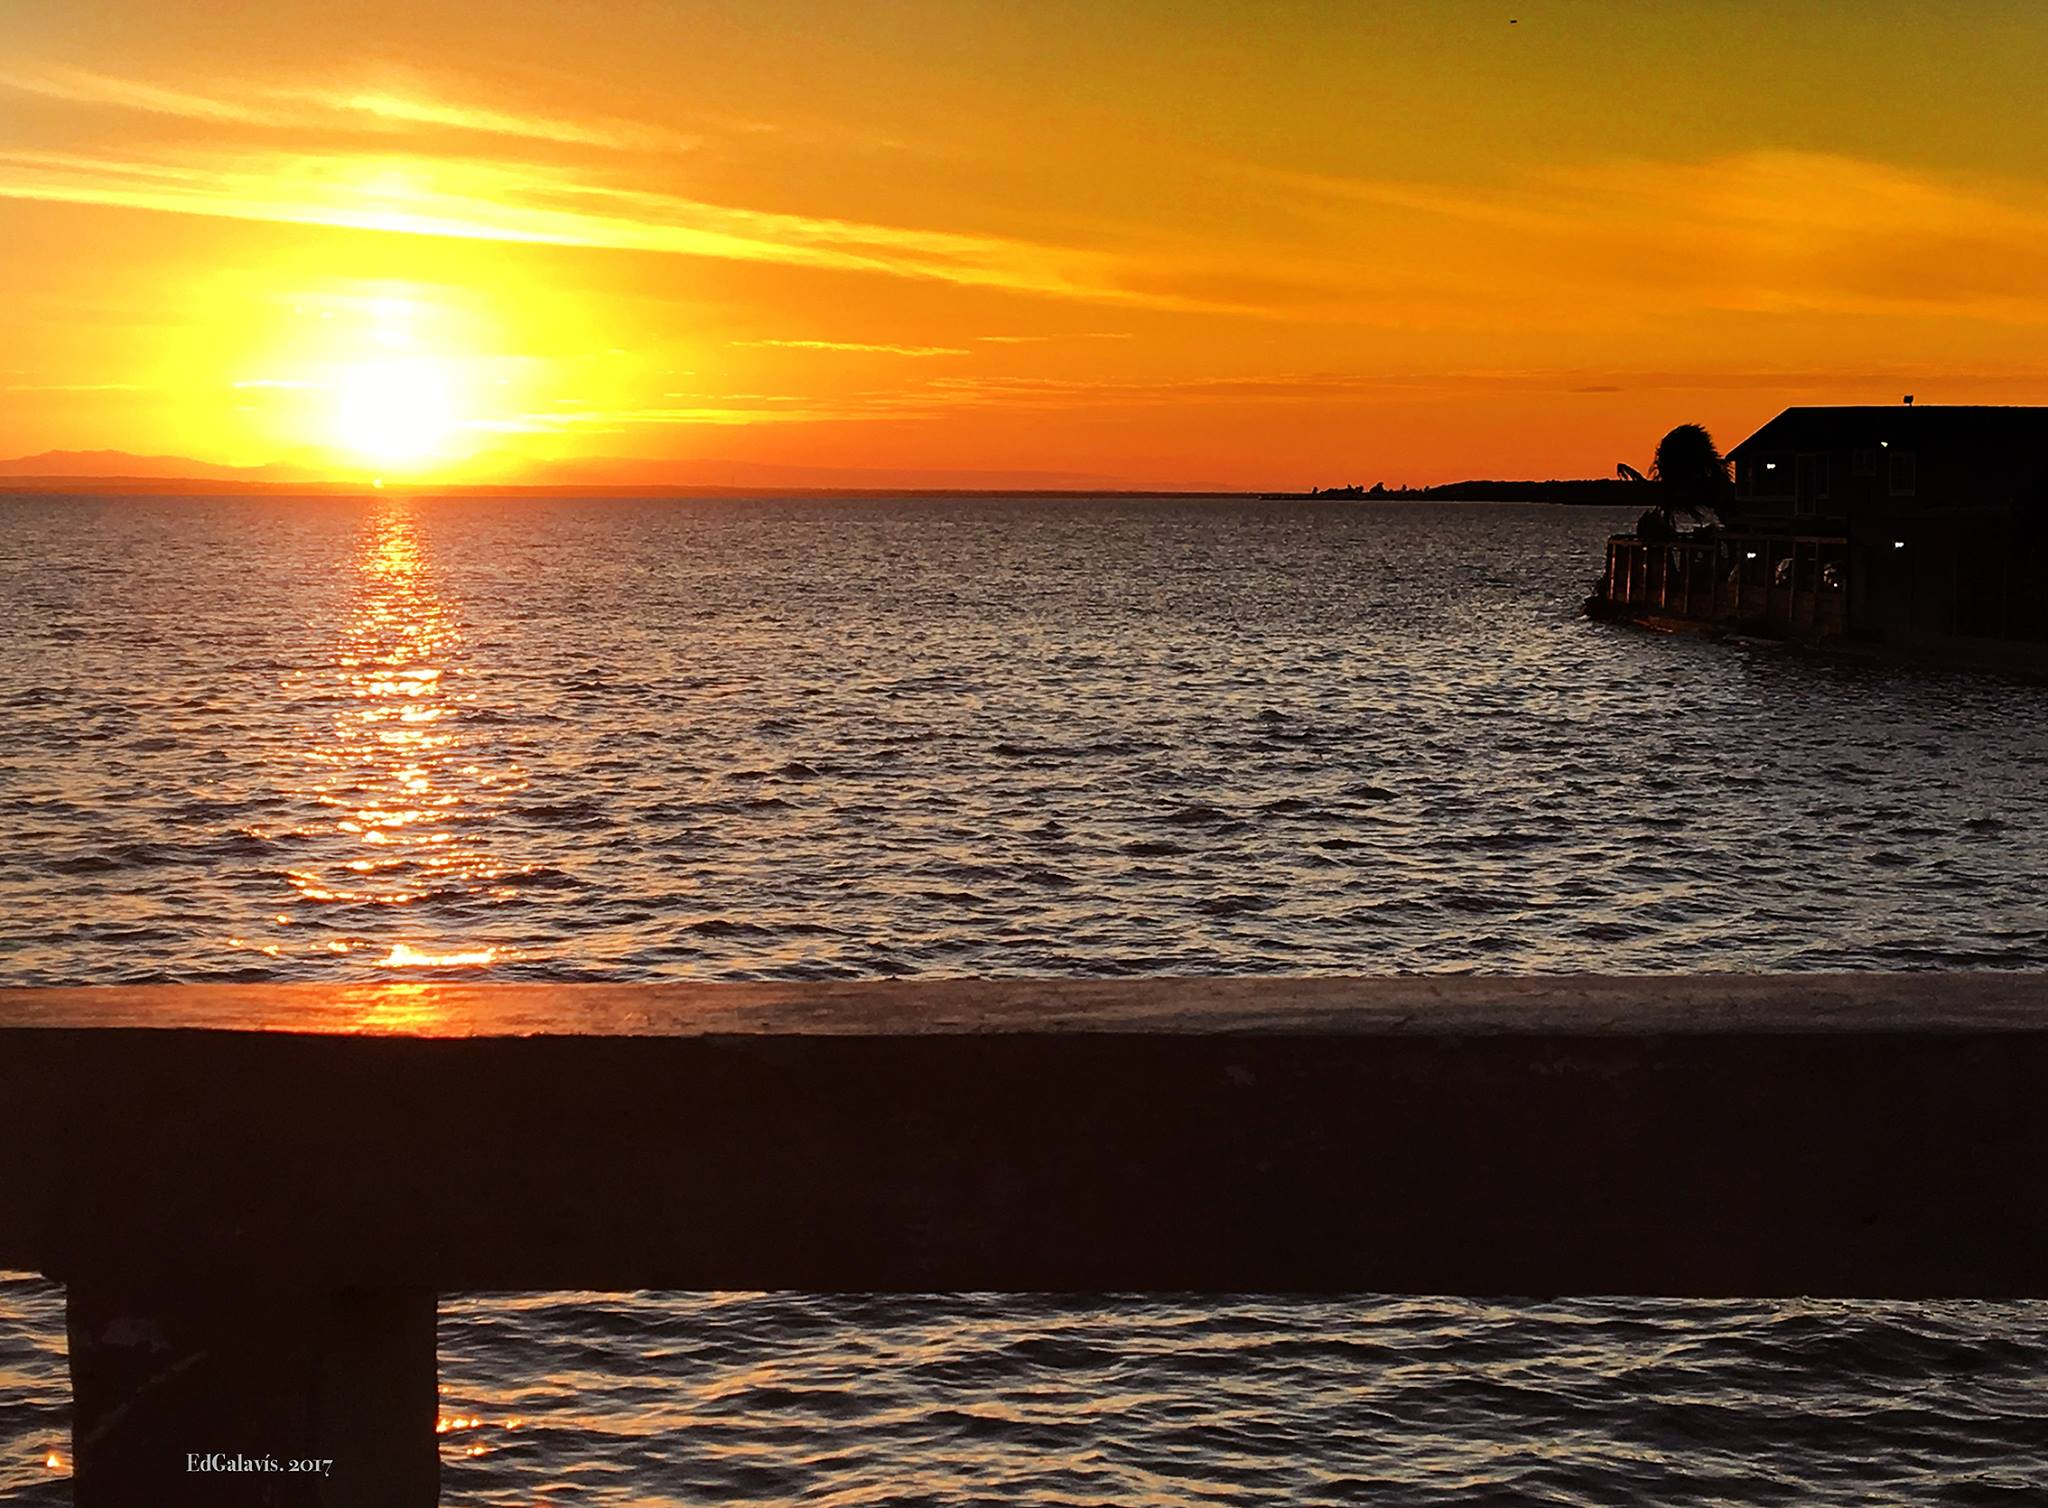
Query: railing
[[254, 1193], [1796, 584]]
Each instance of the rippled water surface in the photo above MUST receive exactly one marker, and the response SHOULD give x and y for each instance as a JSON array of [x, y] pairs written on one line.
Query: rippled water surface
[[583, 739]]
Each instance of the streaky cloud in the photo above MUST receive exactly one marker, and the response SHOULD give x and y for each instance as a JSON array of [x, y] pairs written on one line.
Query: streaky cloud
[[1052, 335], [874, 348], [411, 110], [321, 107], [81, 86], [1763, 232], [537, 204], [72, 387]]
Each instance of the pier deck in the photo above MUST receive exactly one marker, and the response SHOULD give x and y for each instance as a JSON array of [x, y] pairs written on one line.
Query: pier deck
[[255, 1192]]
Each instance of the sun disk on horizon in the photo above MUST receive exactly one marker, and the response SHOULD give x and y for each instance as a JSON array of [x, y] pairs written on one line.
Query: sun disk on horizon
[[398, 413]]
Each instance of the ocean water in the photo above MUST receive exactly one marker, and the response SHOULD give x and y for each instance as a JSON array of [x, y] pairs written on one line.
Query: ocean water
[[585, 739]]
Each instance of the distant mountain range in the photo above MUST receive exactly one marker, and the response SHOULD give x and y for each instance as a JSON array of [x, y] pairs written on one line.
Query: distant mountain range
[[120, 464]]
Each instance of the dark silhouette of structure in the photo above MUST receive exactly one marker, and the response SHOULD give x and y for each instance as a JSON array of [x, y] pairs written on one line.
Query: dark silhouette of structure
[[1908, 528]]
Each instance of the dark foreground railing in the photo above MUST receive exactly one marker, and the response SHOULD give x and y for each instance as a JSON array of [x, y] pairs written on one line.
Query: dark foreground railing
[[254, 1193]]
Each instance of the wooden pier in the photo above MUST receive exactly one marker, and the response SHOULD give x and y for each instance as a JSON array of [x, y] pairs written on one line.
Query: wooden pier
[[1944, 591], [1784, 585], [254, 1193]]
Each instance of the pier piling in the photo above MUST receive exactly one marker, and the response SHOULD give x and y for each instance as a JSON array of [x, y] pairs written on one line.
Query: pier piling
[[209, 1396]]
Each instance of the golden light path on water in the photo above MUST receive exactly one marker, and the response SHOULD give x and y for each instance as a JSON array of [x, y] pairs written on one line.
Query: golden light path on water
[[403, 799]]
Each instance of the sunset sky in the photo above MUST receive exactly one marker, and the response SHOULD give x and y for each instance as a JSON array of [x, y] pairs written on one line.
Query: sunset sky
[[1155, 245]]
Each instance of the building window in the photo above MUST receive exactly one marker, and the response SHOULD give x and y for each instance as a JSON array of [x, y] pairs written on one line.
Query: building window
[[1863, 463], [1905, 474], [1813, 482], [1766, 476]]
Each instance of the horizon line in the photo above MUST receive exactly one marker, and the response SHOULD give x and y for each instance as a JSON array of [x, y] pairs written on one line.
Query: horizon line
[[126, 485]]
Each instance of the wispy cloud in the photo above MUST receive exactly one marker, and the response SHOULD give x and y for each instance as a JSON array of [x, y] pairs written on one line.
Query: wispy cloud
[[856, 345], [378, 109], [72, 387], [266, 151], [1767, 232], [401, 110], [1032, 340], [1610, 246], [612, 420], [526, 202], [82, 87], [942, 395]]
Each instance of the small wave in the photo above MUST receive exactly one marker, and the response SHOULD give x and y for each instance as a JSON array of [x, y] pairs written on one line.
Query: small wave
[[1291, 806], [1154, 848], [243, 845], [1234, 905], [571, 814], [1480, 902], [1047, 879], [1013, 750], [539, 877], [720, 926], [1198, 815], [124, 856], [1368, 792]]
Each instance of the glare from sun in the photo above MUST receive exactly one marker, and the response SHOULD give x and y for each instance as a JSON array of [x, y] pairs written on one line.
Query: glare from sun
[[395, 413]]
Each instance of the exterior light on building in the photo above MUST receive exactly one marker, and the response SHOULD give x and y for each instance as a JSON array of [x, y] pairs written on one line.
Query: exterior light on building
[[1751, 555], [1884, 444], [1898, 544], [1770, 465]]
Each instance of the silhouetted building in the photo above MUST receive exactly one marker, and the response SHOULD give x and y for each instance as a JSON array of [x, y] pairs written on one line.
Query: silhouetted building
[[1922, 528], [1850, 465]]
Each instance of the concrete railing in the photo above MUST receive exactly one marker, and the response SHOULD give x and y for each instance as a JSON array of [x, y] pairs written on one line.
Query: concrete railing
[[254, 1193]]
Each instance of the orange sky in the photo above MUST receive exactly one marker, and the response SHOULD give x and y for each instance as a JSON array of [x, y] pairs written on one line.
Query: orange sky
[[1201, 244]]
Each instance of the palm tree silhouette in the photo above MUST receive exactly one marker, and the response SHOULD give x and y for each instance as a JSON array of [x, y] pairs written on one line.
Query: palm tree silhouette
[[1692, 480]]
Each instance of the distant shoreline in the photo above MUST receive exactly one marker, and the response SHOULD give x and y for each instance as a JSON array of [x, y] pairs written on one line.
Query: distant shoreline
[[1590, 491], [1596, 492]]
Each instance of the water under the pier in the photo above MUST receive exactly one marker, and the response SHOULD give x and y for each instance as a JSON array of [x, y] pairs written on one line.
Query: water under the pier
[[392, 738]]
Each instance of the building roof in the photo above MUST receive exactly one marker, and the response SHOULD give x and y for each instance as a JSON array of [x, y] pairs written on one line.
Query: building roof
[[1981, 430]]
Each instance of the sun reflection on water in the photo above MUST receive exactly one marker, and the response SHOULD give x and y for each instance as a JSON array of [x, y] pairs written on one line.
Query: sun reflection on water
[[400, 855], [403, 955]]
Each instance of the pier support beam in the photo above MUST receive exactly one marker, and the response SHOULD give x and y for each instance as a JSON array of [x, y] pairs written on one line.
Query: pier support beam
[[279, 1398]]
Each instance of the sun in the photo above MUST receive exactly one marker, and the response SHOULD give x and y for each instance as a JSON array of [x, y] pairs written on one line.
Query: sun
[[396, 413]]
